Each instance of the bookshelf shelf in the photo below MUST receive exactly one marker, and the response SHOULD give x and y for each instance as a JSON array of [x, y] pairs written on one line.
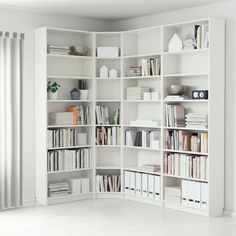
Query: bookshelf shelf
[[107, 168], [199, 69], [108, 146], [185, 75], [182, 177], [67, 126], [195, 51], [185, 128], [68, 171], [69, 56], [142, 77], [68, 77], [142, 148], [187, 100], [67, 101], [136, 169], [143, 55], [73, 147], [186, 152], [141, 101]]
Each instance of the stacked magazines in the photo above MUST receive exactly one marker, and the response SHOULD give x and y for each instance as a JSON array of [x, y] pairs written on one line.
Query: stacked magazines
[[58, 49], [58, 189], [197, 120]]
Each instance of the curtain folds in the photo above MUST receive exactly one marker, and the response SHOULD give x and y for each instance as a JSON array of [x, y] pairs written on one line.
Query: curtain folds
[[10, 120]]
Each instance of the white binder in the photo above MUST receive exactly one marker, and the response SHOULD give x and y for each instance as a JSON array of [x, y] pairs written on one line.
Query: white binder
[[157, 187], [132, 182], [144, 185], [127, 181], [138, 183], [204, 196], [184, 193], [151, 186], [197, 194]]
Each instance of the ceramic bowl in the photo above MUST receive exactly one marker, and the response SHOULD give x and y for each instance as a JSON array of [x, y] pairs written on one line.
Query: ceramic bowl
[[79, 50], [175, 89]]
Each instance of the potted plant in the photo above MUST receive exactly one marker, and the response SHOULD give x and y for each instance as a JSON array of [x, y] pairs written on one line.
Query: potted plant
[[52, 90], [75, 94], [83, 91]]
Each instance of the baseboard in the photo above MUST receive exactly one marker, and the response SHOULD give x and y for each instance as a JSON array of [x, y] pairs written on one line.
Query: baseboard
[[29, 202], [230, 213]]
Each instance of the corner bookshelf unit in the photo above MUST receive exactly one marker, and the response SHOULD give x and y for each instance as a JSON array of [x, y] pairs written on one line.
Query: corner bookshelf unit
[[199, 69]]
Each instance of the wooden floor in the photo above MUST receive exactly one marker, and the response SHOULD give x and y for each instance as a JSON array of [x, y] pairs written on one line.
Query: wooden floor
[[110, 218]]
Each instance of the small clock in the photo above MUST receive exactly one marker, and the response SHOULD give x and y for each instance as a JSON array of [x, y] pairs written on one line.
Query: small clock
[[200, 94]]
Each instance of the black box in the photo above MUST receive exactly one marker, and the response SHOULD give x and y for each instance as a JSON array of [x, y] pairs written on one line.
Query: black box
[[200, 94]]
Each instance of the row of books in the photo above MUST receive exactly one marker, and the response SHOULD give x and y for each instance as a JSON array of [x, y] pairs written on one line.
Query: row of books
[[201, 36], [144, 138], [58, 189], [186, 141], [142, 185], [81, 114], [58, 49], [185, 165], [62, 160], [108, 135], [150, 66], [65, 138], [175, 116], [108, 183], [136, 93], [102, 116]]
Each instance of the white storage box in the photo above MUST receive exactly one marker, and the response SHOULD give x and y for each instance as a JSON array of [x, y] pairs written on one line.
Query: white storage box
[[85, 185], [107, 52], [75, 185]]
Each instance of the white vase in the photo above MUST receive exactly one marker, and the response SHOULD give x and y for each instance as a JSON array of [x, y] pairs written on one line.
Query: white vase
[[83, 94], [53, 96]]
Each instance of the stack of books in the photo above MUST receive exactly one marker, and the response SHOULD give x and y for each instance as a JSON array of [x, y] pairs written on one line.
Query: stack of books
[[134, 71], [58, 49], [172, 194], [150, 168], [61, 118], [62, 160], [102, 116], [108, 135], [176, 97], [58, 189], [197, 120], [185, 165], [175, 116], [144, 138], [186, 141], [150, 66], [136, 93], [81, 114], [108, 183]]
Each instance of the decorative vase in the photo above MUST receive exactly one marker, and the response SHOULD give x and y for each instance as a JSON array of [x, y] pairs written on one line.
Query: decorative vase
[[75, 94], [83, 94], [53, 96]]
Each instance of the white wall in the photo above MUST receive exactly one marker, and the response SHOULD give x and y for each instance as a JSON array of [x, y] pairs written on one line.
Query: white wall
[[227, 11], [26, 22]]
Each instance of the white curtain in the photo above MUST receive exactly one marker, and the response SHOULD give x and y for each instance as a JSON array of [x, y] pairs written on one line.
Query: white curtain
[[10, 119]]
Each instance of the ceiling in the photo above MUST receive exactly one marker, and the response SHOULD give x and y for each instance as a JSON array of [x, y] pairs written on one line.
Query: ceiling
[[106, 9]]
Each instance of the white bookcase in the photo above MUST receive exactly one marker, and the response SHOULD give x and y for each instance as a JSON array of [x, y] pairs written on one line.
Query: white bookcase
[[198, 68]]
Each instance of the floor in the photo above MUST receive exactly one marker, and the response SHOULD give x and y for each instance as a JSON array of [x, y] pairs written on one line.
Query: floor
[[110, 218]]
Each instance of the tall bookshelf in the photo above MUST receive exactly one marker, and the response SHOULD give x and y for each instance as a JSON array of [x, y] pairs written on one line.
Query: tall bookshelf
[[198, 68]]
